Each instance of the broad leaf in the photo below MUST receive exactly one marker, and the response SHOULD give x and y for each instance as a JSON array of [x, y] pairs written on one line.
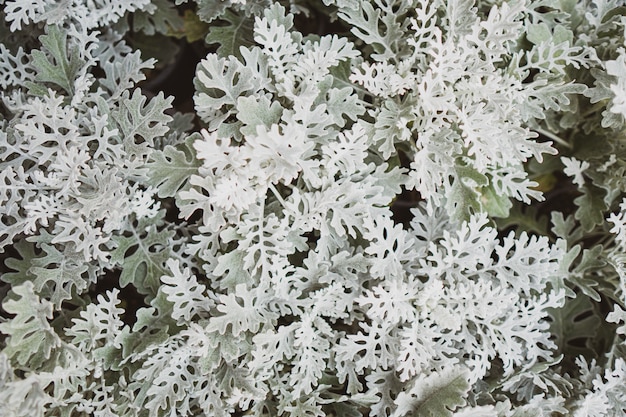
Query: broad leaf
[[55, 63], [591, 207], [142, 255], [435, 395], [169, 170], [234, 30], [31, 339]]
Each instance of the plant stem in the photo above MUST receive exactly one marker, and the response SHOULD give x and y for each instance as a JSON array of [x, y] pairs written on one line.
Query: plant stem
[[553, 137]]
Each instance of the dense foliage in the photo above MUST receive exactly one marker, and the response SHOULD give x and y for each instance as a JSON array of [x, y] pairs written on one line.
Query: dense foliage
[[375, 208]]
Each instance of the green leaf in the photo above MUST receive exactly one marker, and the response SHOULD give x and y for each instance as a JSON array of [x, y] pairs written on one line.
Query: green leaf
[[562, 34], [142, 255], [574, 326], [170, 169], [602, 87], [388, 129], [538, 33], [342, 104], [549, 94], [375, 27], [592, 261], [160, 17], [57, 273], [345, 409], [436, 395], [496, 205], [162, 48], [524, 218], [164, 391], [237, 317], [209, 10], [194, 29], [234, 31], [54, 273], [55, 63], [140, 123], [31, 338], [20, 266], [463, 197], [151, 328], [219, 82], [591, 207], [257, 111], [565, 264], [121, 74], [565, 228], [227, 347], [231, 271], [99, 324]]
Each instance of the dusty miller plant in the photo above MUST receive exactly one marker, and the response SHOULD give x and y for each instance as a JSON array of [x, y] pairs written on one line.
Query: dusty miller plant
[[259, 234]]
